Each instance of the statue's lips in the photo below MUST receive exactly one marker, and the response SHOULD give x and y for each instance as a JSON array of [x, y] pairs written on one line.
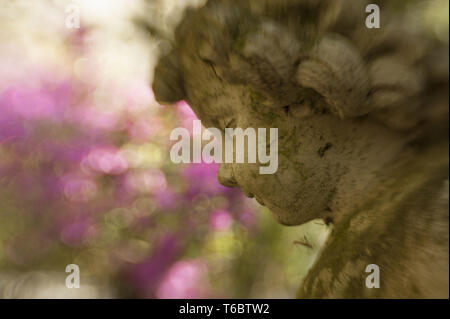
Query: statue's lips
[[251, 195], [259, 200], [246, 193]]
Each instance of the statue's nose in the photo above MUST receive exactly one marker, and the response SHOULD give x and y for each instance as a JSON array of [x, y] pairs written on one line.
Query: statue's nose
[[225, 175]]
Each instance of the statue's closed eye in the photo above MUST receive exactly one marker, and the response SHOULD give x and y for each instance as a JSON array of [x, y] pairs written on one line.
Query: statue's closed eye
[[299, 109], [230, 123]]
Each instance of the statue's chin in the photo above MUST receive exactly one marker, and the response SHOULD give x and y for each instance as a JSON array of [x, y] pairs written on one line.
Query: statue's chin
[[286, 217]]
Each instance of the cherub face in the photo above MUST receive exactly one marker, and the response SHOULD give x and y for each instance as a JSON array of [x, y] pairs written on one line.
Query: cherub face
[[301, 189], [340, 114]]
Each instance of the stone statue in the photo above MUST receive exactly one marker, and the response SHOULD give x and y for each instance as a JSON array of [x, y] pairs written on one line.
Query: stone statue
[[362, 116]]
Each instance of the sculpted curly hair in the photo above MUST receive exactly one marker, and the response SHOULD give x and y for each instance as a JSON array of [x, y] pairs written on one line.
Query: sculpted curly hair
[[318, 53]]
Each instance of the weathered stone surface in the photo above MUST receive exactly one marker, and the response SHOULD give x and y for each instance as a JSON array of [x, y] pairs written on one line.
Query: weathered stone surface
[[361, 115], [401, 226]]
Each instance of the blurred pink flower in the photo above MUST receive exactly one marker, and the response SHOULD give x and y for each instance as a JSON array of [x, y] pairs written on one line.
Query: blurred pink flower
[[147, 275], [184, 281], [166, 199], [107, 160], [207, 174], [30, 103], [137, 96], [78, 232], [79, 188], [147, 181], [48, 100], [220, 220], [59, 136], [185, 114], [144, 129], [94, 119]]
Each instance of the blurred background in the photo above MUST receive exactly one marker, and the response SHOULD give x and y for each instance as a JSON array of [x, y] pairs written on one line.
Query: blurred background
[[85, 173]]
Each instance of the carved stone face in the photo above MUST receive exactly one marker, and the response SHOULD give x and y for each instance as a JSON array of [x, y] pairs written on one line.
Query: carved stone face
[[313, 144], [308, 170], [327, 102], [316, 149]]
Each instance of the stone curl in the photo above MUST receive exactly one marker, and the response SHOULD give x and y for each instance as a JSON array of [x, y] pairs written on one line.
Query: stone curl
[[332, 60]]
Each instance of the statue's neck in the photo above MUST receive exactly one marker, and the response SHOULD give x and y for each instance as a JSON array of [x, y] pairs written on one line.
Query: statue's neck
[[403, 214], [406, 163], [381, 159]]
